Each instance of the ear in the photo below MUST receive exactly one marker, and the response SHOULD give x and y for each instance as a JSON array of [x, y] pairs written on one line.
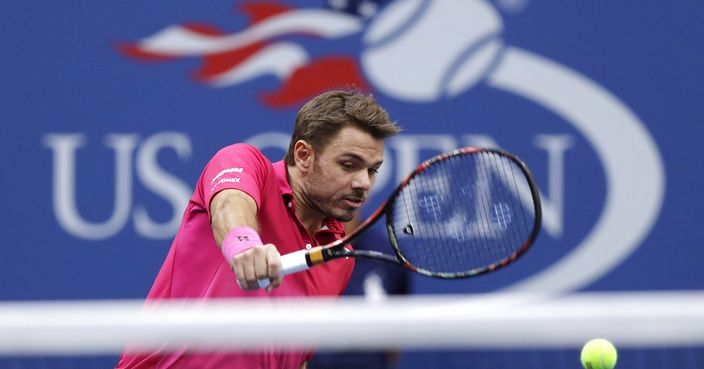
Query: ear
[[304, 155]]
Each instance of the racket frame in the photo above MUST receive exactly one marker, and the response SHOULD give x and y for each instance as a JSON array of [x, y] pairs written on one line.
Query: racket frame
[[537, 208]]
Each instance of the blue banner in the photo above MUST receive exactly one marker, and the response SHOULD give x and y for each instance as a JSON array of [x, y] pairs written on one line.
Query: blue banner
[[110, 110]]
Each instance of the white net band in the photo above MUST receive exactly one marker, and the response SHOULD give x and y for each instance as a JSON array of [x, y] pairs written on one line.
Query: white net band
[[467, 321]]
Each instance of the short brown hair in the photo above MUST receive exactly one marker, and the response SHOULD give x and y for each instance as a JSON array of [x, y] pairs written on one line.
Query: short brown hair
[[326, 114]]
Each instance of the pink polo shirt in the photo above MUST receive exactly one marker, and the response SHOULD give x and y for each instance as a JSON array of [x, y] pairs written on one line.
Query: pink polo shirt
[[195, 267]]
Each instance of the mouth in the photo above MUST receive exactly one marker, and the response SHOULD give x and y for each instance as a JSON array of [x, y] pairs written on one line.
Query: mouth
[[354, 202]]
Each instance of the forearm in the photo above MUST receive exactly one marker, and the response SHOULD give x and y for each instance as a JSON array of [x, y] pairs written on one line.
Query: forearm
[[230, 209], [250, 260]]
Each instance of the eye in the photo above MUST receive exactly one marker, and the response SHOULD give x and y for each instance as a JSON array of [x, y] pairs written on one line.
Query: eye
[[347, 165], [373, 171]]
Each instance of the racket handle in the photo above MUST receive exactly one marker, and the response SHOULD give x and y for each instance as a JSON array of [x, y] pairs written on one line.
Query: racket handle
[[290, 263]]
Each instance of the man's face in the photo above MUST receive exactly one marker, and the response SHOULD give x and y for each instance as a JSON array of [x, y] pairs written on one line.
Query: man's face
[[343, 173]]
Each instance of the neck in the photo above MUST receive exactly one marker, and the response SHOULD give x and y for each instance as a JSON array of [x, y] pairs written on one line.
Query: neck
[[311, 217]]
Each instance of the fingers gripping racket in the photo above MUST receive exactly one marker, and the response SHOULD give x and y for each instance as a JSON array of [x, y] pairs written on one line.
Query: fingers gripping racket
[[460, 214]]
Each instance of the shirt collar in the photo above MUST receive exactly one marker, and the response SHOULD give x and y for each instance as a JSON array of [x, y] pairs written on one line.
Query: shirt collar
[[282, 178], [281, 172]]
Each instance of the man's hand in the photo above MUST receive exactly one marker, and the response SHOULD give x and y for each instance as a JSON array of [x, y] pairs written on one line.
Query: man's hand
[[257, 263]]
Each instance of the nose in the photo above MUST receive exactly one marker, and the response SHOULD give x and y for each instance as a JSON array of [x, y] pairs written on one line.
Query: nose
[[362, 181]]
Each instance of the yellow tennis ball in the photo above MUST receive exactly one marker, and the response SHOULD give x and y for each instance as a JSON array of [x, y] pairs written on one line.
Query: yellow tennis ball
[[599, 354]]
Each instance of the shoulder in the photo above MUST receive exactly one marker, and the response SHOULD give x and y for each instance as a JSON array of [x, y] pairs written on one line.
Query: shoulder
[[242, 155], [242, 150]]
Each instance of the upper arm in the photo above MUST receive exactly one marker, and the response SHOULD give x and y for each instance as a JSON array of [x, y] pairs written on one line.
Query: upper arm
[[231, 200]]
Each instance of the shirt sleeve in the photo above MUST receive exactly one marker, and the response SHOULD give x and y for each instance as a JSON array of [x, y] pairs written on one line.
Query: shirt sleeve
[[242, 167]]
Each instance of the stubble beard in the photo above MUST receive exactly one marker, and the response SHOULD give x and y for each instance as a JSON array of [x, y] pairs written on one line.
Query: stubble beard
[[325, 206]]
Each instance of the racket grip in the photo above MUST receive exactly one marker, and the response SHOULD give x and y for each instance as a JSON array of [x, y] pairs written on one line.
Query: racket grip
[[290, 263]]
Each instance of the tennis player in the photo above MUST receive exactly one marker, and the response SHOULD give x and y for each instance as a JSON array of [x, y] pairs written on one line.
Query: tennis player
[[245, 212]]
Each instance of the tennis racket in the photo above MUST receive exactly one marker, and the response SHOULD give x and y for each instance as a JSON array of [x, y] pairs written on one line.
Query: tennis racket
[[458, 215]]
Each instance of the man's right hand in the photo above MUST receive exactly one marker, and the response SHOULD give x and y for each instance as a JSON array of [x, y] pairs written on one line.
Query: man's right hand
[[261, 262]]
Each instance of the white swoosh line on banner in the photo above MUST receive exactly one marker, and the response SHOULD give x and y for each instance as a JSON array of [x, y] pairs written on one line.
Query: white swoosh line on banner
[[180, 41], [279, 59]]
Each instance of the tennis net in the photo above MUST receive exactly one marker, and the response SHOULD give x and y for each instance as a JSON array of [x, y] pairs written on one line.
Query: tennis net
[[484, 327]]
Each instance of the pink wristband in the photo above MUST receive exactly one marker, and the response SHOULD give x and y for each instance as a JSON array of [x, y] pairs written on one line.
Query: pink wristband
[[237, 240]]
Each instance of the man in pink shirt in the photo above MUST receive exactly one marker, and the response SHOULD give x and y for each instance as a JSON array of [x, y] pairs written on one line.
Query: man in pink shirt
[[245, 212]]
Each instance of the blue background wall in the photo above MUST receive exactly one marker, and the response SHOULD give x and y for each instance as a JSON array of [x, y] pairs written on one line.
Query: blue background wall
[[601, 99]]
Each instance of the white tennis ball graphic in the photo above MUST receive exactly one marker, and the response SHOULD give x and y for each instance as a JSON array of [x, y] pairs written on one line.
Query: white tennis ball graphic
[[420, 50]]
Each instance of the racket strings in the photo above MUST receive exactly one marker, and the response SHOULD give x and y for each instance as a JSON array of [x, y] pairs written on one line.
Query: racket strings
[[426, 213], [487, 253], [520, 184], [503, 211], [463, 214]]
